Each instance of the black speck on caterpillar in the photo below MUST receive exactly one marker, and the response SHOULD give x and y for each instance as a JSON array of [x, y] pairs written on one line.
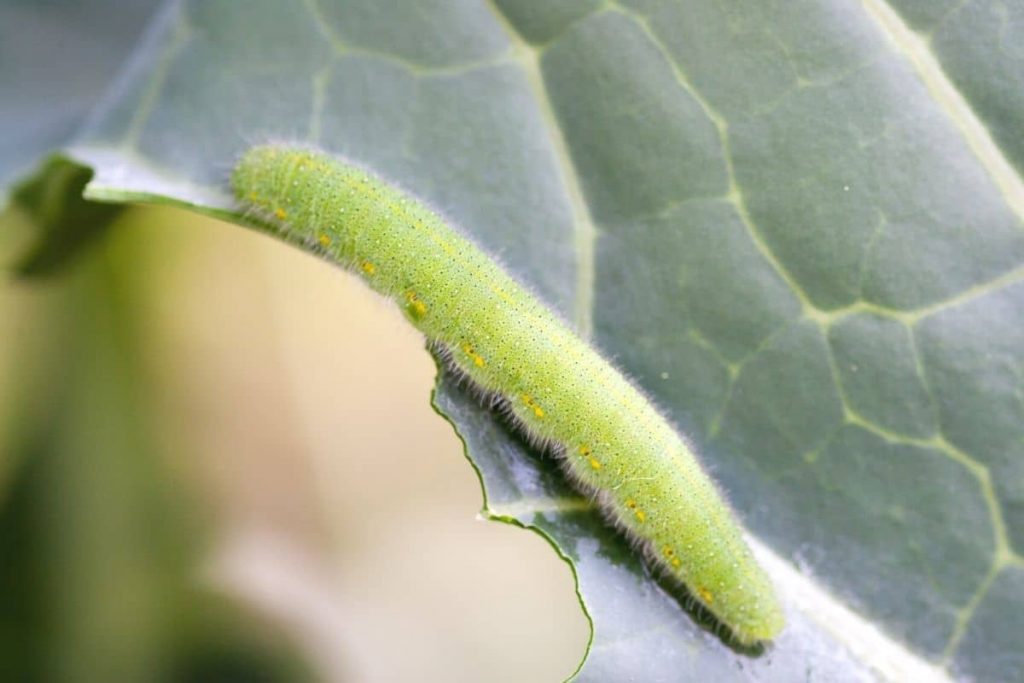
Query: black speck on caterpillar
[[615, 444]]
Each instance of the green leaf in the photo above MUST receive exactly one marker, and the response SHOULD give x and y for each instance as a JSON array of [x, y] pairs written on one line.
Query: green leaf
[[56, 59], [67, 223], [797, 225]]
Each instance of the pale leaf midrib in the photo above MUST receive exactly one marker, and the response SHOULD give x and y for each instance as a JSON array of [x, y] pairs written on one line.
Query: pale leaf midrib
[[918, 52]]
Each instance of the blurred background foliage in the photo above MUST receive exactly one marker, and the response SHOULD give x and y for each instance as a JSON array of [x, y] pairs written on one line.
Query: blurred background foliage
[[182, 424]]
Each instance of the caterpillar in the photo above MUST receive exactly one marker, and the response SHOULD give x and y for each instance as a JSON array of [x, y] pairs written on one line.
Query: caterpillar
[[611, 440]]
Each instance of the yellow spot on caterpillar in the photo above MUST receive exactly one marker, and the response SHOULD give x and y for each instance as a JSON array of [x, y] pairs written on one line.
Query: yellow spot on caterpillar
[[676, 562], [280, 213], [706, 595], [470, 351], [595, 464], [641, 516], [667, 551], [324, 241], [417, 308], [530, 403], [585, 450], [368, 267]]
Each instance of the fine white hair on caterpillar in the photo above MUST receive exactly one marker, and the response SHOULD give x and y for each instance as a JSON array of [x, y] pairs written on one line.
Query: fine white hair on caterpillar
[[611, 441]]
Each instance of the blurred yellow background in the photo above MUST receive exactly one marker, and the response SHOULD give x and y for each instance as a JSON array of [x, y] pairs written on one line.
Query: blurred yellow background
[[291, 407]]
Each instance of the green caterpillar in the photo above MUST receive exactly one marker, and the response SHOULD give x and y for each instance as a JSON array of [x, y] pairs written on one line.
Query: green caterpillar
[[613, 442]]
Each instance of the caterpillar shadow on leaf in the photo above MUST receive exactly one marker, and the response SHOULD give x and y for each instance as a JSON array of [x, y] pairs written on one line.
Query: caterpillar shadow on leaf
[[592, 522]]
